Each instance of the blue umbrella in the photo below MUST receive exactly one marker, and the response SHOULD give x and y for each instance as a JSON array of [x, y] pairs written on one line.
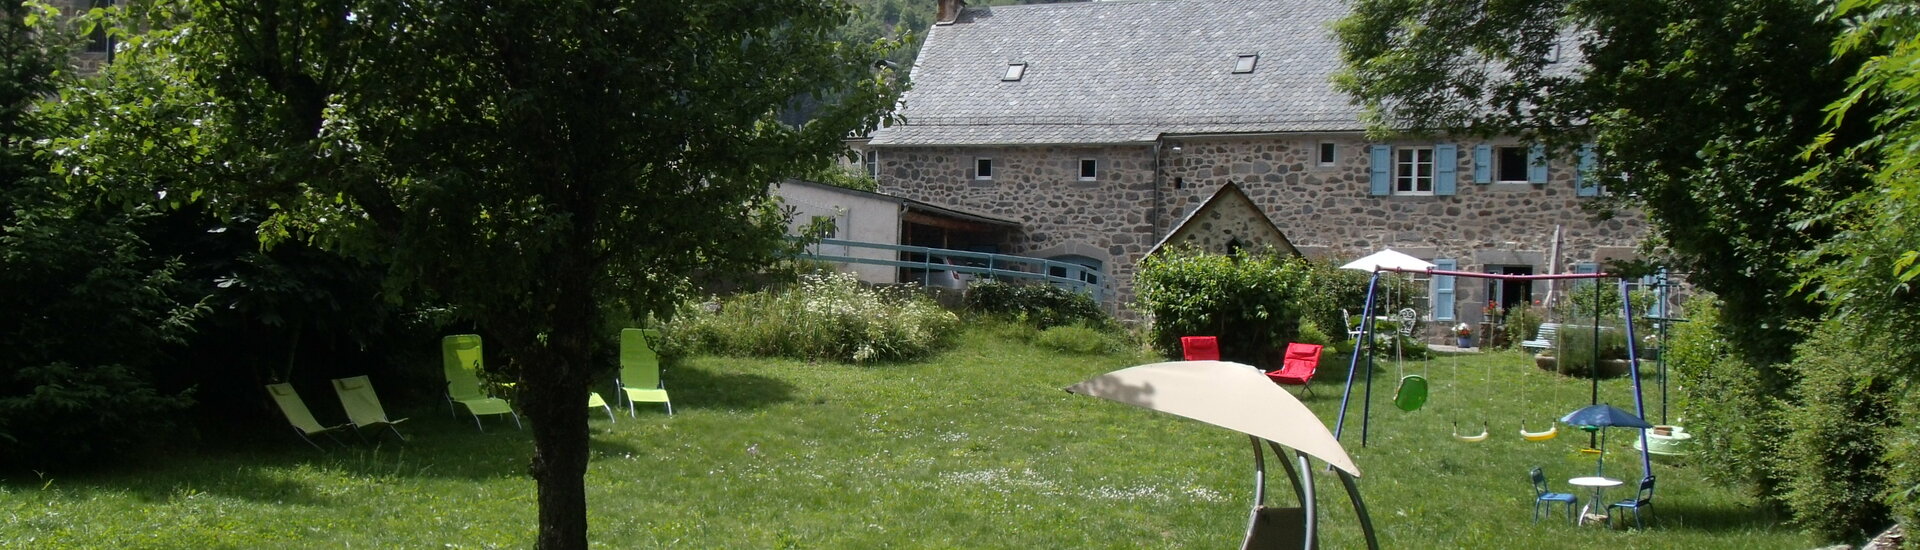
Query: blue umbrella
[[1604, 416]]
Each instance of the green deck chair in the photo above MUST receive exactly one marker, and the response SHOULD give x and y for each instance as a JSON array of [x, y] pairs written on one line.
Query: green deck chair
[[362, 405], [298, 415], [460, 360], [640, 369]]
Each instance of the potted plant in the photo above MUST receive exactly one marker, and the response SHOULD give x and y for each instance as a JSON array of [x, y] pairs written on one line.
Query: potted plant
[[1577, 351], [1463, 335]]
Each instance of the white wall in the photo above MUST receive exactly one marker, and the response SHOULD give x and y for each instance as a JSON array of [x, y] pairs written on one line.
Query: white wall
[[857, 217]]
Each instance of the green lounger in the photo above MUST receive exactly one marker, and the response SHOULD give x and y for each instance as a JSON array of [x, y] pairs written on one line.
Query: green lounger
[[640, 369], [460, 360], [298, 415], [362, 405]]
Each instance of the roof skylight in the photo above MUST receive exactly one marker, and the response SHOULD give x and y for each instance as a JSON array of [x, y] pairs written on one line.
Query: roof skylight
[[1015, 71], [1245, 63]]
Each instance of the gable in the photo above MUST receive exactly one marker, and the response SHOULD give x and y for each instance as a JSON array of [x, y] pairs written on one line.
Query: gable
[[1227, 220]]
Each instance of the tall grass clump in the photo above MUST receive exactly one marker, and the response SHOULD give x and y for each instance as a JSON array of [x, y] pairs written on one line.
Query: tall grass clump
[[828, 316]]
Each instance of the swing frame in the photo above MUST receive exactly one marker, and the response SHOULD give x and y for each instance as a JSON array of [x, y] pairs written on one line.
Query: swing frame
[[1365, 346]]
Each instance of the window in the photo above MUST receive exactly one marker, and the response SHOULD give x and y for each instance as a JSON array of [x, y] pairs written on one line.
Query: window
[[1413, 171], [1244, 64], [1327, 157], [873, 164], [1015, 71], [1089, 169], [983, 168], [1510, 164]]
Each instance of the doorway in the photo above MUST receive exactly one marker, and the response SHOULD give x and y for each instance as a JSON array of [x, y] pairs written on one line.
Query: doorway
[[1510, 294]]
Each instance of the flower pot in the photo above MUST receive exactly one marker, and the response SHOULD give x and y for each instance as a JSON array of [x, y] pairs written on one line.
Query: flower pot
[[1546, 363], [1464, 341]]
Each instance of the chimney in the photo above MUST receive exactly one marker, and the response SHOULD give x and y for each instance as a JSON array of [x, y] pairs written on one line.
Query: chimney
[[949, 11]]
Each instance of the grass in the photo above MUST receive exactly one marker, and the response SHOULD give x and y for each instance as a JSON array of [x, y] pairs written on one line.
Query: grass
[[976, 448]]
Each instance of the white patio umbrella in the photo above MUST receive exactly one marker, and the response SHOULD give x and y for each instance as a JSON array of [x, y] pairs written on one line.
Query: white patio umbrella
[[1388, 259], [1242, 399]]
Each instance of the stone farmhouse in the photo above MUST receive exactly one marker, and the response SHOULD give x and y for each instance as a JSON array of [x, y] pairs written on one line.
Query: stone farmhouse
[[1101, 127]]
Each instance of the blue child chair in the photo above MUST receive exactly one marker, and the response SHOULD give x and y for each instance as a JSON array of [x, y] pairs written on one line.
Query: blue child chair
[[1543, 500], [1642, 500]]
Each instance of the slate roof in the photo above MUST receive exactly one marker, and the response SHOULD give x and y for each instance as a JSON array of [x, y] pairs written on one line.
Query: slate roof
[[1125, 71]]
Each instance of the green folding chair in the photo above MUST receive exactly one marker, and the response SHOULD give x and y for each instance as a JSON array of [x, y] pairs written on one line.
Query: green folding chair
[[298, 415], [460, 360], [640, 369], [362, 405]]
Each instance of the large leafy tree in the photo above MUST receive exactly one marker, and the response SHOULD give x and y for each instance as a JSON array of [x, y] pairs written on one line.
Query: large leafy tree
[[1708, 117], [540, 165]]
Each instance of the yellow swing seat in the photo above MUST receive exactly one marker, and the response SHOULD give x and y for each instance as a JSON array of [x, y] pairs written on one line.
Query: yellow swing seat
[[1482, 436], [1552, 432]]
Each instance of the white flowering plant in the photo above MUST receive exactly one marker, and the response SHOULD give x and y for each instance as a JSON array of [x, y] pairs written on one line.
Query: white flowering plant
[[827, 316]]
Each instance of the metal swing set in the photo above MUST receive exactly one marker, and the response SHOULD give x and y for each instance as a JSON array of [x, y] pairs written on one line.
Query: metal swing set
[[1412, 388]]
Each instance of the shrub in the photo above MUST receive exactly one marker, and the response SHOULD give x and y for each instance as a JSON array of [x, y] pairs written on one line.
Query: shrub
[[1310, 333], [1078, 339], [823, 316], [1250, 301], [1831, 460], [1040, 304], [1726, 404], [1575, 348], [1523, 322], [1329, 290]]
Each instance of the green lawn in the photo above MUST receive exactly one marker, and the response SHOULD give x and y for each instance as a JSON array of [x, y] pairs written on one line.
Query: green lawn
[[978, 448]]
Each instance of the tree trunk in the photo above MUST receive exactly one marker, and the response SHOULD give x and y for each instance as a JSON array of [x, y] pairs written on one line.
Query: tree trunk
[[559, 417]]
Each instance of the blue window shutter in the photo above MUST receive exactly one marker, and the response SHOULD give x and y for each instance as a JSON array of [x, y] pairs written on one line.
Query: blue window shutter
[[1584, 182], [1446, 168], [1443, 289], [1537, 164], [1382, 169], [1483, 163]]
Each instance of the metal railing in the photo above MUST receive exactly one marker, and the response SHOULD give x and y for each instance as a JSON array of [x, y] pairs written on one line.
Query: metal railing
[[932, 261]]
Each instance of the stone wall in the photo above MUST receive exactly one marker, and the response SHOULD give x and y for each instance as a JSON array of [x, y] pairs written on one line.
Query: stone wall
[[1325, 211]]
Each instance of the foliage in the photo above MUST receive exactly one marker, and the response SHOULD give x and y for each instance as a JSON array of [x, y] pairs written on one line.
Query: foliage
[[511, 159], [1043, 305], [1251, 301], [1867, 270], [1575, 347], [1077, 339], [90, 308], [1834, 462], [1523, 322], [1331, 291], [1310, 333], [842, 177], [1735, 417], [1390, 343], [823, 317]]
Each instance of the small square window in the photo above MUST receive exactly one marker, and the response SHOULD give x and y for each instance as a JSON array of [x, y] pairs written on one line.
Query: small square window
[[983, 168], [1510, 164], [1327, 153], [1015, 71], [1244, 64], [1089, 169]]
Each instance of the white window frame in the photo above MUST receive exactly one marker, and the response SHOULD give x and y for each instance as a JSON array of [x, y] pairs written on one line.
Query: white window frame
[[1085, 174], [1499, 163], [1321, 152], [983, 162], [1407, 176], [872, 160]]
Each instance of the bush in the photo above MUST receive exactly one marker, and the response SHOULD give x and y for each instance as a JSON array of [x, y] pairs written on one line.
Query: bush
[[1831, 460], [1523, 322], [1252, 302], [1329, 290], [1574, 348], [1077, 339], [1310, 333], [1734, 416], [828, 316], [1040, 304]]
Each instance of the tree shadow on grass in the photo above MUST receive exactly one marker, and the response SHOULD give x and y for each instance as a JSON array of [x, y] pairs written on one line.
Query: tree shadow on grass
[[1669, 515], [698, 387]]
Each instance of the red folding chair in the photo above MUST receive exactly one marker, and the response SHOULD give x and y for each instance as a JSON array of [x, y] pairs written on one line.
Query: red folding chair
[[1200, 348], [1298, 366]]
